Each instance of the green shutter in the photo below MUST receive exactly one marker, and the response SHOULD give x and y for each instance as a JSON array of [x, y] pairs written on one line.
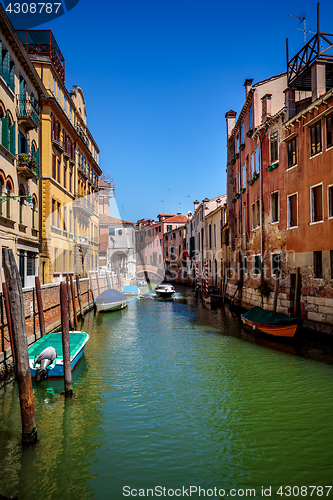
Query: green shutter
[[12, 138], [12, 76], [4, 138], [5, 67]]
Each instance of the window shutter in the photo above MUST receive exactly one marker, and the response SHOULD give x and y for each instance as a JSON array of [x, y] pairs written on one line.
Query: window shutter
[[5, 67], [318, 203], [12, 133], [4, 138], [12, 76]]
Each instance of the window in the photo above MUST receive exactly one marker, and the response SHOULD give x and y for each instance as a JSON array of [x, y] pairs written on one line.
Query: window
[[214, 236], [210, 235], [53, 212], [7, 67], [8, 200], [291, 153], [65, 175], [256, 264], [58, 215], [274, 147], [317, 264], [317, 203], [329, 138], [243, 134], [251, 117], [257, 168], [237, 142], [65, 219], [58, 170], [30, 264], [54, 86], [253, 215], [244, 177], [275, 207], [120, 232], [277, 264], [252, 165], [65, 104], [70, 180], [169, 228], [258, 212], [331, 262], [315, 139], [330, 201], [292, 211], [244, 218], [54, 160]]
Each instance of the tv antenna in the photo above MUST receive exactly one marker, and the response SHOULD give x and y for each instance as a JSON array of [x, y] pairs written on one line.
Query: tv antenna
[[302, 19]]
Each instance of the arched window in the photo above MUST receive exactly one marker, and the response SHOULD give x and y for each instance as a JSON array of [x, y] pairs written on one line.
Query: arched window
[[22, 201], [34, 209], [8, 190], [2, 183]]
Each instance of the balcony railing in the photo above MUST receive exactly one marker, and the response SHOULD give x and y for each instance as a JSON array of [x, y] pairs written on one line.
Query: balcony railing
[[27, 166], [57, 142], [28, 111], [84, 204], [82, 134]]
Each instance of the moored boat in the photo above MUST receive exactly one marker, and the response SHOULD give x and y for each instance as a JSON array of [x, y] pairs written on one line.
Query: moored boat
[[111, 300], [46, 358], [165, 291], [269, 322], [131, 290]]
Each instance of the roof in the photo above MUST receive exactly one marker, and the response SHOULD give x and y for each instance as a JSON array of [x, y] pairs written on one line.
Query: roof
[[103, 184], [107, 219], [177, 218]]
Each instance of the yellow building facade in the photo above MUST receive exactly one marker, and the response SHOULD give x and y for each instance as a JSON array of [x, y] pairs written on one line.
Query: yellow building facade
[[70, 168], [21, 92]]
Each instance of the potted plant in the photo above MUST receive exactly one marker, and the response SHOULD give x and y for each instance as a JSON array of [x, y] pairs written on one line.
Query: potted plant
[[242, 190], [249, 133], [242, 146], [236, 156], [237, 196], [232, 161], [23, 159]]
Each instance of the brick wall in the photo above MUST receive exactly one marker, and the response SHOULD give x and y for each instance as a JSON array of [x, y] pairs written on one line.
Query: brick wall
[[51, 307]]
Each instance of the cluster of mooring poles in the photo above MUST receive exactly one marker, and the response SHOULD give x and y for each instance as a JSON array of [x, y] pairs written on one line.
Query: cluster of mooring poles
[[14, 306]]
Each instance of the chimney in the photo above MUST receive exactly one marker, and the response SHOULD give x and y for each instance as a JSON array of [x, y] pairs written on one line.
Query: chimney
[[218, 201], [318, 79], [196, 204], [266, 107], [231, 121], [248, 85], [204, 203]]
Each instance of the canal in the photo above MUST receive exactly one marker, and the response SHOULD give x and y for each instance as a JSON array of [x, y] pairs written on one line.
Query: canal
[[171, 394]]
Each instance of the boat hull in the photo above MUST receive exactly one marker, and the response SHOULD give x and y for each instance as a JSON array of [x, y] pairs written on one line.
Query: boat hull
[[164, 295], [56, 368], [274, 330], [113, 306]]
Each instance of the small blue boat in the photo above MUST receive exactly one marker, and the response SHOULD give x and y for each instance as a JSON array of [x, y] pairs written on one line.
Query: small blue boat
[[131, 290], [77, 341]]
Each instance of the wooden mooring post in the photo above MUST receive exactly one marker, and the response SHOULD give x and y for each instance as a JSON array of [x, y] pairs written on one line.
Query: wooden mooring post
[[40, 307], [73, 302], [78, 288], [69, 302], [16, 304], [9, 319], [65, 340], [98, 289]]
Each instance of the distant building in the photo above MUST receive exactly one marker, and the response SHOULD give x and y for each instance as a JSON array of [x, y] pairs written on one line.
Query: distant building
[[149, 241]]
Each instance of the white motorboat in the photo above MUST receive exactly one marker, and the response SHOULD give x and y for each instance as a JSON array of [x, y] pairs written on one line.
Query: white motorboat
[[111, 300], [165, 291]]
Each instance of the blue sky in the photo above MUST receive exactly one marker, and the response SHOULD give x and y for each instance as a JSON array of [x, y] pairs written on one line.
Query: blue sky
[[159, 76]]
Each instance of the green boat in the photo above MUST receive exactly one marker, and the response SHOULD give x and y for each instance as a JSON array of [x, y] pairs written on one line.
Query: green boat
[[53, 342]]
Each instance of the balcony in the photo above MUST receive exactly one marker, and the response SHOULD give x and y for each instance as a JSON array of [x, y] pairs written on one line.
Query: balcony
[[28, 111], [84, 205], [40, 44], [81, 240], [81, 132], [57, 143], [83, 170], [27, 166]]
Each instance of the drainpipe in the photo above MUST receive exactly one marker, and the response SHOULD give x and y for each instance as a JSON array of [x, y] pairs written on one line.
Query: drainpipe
[[261, 210]]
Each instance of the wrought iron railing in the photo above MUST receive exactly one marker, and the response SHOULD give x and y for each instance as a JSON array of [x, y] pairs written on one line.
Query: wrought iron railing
[[27, 106]]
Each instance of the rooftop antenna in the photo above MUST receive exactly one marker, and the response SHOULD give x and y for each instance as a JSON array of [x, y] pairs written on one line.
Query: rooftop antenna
[[302, 18]]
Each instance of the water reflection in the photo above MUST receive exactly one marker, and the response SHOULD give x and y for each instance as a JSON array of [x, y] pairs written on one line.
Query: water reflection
[[170, 393]]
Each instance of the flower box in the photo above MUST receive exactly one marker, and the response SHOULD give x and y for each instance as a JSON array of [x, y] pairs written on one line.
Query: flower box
[[242, 190], [249, 133], [242, 146], [232, 161], [237, 196]]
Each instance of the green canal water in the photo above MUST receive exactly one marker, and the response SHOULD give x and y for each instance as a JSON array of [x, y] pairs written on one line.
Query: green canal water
[[171, 394]]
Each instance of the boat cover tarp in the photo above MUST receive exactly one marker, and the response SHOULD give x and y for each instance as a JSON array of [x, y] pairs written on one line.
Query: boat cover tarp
[[259, 315], [130, 289], [110, 296], [54, 339]]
